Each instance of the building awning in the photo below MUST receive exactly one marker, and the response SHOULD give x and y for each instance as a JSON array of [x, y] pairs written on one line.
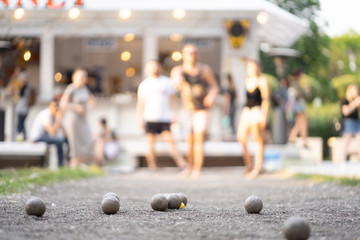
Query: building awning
[[203, 18]]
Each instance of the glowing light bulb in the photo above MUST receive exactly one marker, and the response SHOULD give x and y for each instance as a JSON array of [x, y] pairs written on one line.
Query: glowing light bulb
[[130, 72], [262, 18], [125, 56], [27, 56], [74, 13], [19, 13], [176, 37], [58, 77], [129, 37], [125, 13], [176, 56], [179, 13]]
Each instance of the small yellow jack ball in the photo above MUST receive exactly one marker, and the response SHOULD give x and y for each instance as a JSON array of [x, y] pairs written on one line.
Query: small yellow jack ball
[[182, 205]]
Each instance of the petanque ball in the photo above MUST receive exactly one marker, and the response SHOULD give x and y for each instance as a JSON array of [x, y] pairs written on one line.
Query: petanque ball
[[110, 205], [183, 198], [159, 202], [253, 204], [111, 194], [296, 228], [35, 206], [174, 201]]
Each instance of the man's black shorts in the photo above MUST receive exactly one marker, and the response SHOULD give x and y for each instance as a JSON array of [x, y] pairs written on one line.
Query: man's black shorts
[[157, 127]]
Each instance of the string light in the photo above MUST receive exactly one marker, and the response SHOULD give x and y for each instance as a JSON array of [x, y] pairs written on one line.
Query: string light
[[125, 13], [176, 56], [130, 72], [74, 13], [27, 56], [125, 56], [262, 18], [19, 13], [129, 37], [58, 77], [179, 13]]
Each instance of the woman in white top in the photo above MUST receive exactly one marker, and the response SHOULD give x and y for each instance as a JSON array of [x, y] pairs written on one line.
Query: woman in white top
[[154, 111]]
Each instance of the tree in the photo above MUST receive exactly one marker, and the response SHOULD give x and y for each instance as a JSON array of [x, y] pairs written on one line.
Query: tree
[[313, 45]]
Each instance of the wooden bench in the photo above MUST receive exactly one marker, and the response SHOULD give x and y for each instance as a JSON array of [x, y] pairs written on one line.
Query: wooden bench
[[23, 154]]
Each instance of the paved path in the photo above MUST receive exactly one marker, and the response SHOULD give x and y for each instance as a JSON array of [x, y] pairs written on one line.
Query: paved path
[[215, 209]]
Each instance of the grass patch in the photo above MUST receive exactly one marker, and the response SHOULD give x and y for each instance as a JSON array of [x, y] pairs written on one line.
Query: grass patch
[[322, 178], [17, 180]]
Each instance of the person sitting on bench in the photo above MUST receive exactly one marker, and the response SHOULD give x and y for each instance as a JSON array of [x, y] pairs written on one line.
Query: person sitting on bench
[[47, 127]]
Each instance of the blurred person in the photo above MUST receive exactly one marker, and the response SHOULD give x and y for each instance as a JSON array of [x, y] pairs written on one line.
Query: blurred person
[[253, 117], [198, 88], [76, 101], [154, 112], [279, 112], [25, 101], [229, 105], [297, 97], [48, 127], [106, 145], [350, 114], [15, 84]]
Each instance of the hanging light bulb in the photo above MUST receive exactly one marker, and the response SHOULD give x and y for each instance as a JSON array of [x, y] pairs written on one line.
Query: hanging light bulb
[[74, 13], [179, 13], [27, 56], [19, 13], [125, 13]]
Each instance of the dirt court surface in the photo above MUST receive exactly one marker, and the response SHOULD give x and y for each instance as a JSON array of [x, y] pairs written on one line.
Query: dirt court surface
[[214, 211]]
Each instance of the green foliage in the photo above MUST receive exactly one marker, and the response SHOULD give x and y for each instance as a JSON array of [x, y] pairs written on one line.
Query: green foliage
[[342, 82], [321, 122], [16, 180], [348, 181], [342, 51], [273, 82]]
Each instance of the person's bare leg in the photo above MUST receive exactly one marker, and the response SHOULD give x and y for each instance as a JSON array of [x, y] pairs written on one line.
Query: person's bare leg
[[303, 125], [198, 153], [99, 152], [74, 162], [346, 140], [199, 125], [174, 152], [259, 154], [294, 131], [358, 143], [242, 136], [150, 153]]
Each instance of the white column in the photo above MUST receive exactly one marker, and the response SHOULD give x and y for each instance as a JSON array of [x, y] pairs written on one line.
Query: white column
[[150, 47], [46, 66]]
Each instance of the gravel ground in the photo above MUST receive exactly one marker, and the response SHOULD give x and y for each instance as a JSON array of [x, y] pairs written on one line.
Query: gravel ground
[[214, 211]]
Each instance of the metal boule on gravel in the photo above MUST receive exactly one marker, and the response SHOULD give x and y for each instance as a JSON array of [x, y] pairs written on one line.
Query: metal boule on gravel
[[253, 204], [111, 194], [110, 205], [159, 202], [35, 206], [174, 201], [183, 198], [296, 228]]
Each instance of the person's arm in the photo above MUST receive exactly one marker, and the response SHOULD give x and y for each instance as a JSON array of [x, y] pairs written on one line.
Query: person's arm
[[176, 77], [52, 129], [265, 97], [91, 101], [140, 105], [347, 109], [66, 105], [209, 77]]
